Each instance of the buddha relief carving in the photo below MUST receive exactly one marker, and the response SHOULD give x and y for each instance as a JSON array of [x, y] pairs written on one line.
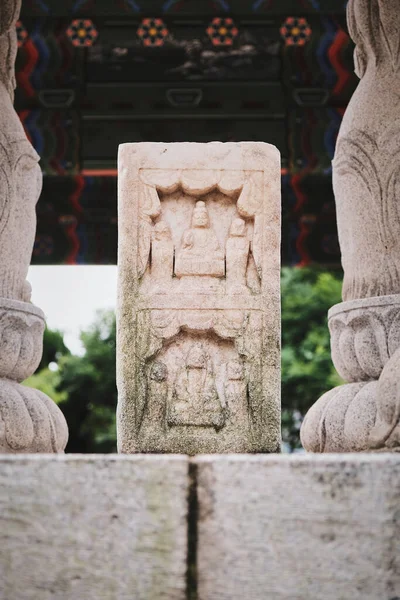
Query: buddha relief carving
[[195, 399], [195, 258], [200, 253]]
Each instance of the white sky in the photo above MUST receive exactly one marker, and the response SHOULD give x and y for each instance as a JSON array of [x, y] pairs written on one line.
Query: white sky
[[71, 295]]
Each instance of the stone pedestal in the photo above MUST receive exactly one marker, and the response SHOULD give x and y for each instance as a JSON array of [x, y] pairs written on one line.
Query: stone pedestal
[[365, 413], [29, 421], [198, 315]]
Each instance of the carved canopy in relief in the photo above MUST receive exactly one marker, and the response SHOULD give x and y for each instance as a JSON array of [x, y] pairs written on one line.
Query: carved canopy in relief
[[244, 187]]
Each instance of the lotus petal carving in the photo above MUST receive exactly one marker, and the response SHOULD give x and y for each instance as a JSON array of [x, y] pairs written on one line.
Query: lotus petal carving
[[29, 421], [21, 344]]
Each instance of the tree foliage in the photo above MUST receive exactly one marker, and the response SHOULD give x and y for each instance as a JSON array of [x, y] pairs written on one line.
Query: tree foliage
[[53, 348], [307, 369], [85, 388], [47, 377], [88, 382]]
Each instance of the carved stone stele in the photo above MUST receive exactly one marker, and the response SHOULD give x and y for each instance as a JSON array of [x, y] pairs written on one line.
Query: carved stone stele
[[29, 421], [198, 352], [365, 329]]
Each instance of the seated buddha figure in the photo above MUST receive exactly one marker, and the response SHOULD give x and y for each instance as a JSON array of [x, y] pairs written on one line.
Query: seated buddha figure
[[195, 399], [200, 253]]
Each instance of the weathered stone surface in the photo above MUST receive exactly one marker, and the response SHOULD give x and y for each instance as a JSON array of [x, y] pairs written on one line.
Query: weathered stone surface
[[365, 329], [91, 528], [21, 338], [116, 527], [9, 12], [365, 414], [365, 334], [20, 186], [21, 323], [30, 421], [303, 528], [198, 361], [366, 165]]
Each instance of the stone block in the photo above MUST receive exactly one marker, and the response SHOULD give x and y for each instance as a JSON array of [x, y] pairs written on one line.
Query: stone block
[[198, 347], [93, 528], [301, 528]]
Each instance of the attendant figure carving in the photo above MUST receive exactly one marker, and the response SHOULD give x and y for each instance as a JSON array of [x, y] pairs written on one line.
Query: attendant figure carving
[[195, 399], [236, 395], [237, 257], [200, 253], [162, 257], [157, 396]]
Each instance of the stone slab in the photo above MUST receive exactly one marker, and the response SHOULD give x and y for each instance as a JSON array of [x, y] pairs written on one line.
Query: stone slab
[[198, 336], [93, 528], [299, 528]]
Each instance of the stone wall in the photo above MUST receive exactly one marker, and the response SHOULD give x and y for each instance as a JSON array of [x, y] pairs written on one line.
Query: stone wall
[[213, 527]]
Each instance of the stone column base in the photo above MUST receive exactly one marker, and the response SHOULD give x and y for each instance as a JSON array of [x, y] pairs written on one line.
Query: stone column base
[[365, 413], [29, 420]]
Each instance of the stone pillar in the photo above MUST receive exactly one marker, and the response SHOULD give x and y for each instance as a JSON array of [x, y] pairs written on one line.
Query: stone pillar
[[198, 354], [365, 329], [29, 420]]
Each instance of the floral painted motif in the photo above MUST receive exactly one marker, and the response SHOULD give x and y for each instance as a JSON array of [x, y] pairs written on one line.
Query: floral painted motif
[[222, 31], [82, 33], [296, 31], [22, 34], [153, 32]]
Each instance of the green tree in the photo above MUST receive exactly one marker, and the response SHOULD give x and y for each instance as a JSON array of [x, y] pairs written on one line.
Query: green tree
[[307, 369], [48, 381], [47, 376], [53, 348], [88, 383]]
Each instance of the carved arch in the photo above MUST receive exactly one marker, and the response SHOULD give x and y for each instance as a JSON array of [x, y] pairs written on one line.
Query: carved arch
[[240, 186]]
